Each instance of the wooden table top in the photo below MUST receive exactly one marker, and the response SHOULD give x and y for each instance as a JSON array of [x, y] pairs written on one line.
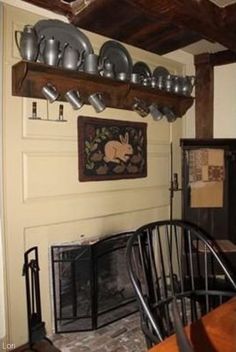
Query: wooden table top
[[214, 332]]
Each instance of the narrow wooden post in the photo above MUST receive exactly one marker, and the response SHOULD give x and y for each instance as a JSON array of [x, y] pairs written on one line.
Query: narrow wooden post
[[204, 96]]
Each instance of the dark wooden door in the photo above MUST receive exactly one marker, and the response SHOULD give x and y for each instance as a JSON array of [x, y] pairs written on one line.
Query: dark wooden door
[[218, 222]]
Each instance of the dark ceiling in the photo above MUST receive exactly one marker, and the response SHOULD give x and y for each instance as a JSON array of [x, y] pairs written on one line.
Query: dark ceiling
[[159, 26]]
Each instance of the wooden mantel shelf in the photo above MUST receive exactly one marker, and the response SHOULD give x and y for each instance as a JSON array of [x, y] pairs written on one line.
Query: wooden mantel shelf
[[28, 78]]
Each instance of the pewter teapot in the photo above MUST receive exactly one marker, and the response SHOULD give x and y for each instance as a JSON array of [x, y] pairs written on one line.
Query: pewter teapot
[[71, 58], [28, 45]]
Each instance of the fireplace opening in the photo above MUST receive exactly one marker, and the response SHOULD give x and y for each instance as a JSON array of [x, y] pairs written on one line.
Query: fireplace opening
[[91, 286]]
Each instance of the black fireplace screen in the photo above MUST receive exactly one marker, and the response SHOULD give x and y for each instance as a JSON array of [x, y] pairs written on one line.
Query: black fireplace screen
[[91, 287]]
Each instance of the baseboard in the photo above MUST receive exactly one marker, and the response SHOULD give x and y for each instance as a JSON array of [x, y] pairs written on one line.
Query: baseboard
[[6, 347], [23, 348], [44, 345]]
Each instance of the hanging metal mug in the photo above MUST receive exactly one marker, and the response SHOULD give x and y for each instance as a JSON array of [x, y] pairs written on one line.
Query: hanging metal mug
[[50, 92], [73, 97], [96, 100], [140, 107]]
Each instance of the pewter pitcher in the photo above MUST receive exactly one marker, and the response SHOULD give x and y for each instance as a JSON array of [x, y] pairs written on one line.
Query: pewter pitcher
[[28, 44], [51, 52]]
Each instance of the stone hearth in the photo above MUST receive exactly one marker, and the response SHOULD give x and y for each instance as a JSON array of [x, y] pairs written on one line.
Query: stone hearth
[[121, 336]]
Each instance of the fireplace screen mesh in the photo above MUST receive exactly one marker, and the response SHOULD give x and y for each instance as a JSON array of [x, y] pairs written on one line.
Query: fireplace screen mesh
[[91, 287]]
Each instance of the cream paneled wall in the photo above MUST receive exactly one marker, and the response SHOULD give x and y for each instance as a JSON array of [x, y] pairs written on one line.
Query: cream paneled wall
[[44, 203], [224, 101]]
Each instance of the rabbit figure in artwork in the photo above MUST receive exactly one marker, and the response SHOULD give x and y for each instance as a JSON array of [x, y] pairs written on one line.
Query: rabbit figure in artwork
[[116, 151]]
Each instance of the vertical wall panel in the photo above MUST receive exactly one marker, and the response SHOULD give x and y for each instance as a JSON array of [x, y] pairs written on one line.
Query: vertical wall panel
[[2, 281]]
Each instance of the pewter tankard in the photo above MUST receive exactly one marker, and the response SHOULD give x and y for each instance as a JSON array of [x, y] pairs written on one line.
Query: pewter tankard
[[187, 85], [91, 64]]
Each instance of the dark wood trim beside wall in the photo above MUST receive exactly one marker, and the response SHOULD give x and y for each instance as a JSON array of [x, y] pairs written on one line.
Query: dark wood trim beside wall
[[204, 90], [204, 100]]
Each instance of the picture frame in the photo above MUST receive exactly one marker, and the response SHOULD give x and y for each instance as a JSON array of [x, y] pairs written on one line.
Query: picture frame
[[111, 149]]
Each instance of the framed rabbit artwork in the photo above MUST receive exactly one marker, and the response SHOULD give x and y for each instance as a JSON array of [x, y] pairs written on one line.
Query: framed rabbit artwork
[[111, 149]]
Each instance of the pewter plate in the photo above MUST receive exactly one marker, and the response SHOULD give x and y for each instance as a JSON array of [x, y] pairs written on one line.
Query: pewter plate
[[160, 71], [118, 55], [142, 69], [65, 33]]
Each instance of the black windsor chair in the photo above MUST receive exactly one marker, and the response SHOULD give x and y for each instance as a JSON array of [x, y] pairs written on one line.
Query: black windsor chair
[[173, 264]]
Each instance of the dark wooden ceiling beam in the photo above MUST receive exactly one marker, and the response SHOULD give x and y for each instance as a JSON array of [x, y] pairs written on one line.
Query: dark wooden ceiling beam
[[201, 16], [124, 20], [99, 16], [56, 6], [132, 26], [170, 39], [217, 59], [229, 16]]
